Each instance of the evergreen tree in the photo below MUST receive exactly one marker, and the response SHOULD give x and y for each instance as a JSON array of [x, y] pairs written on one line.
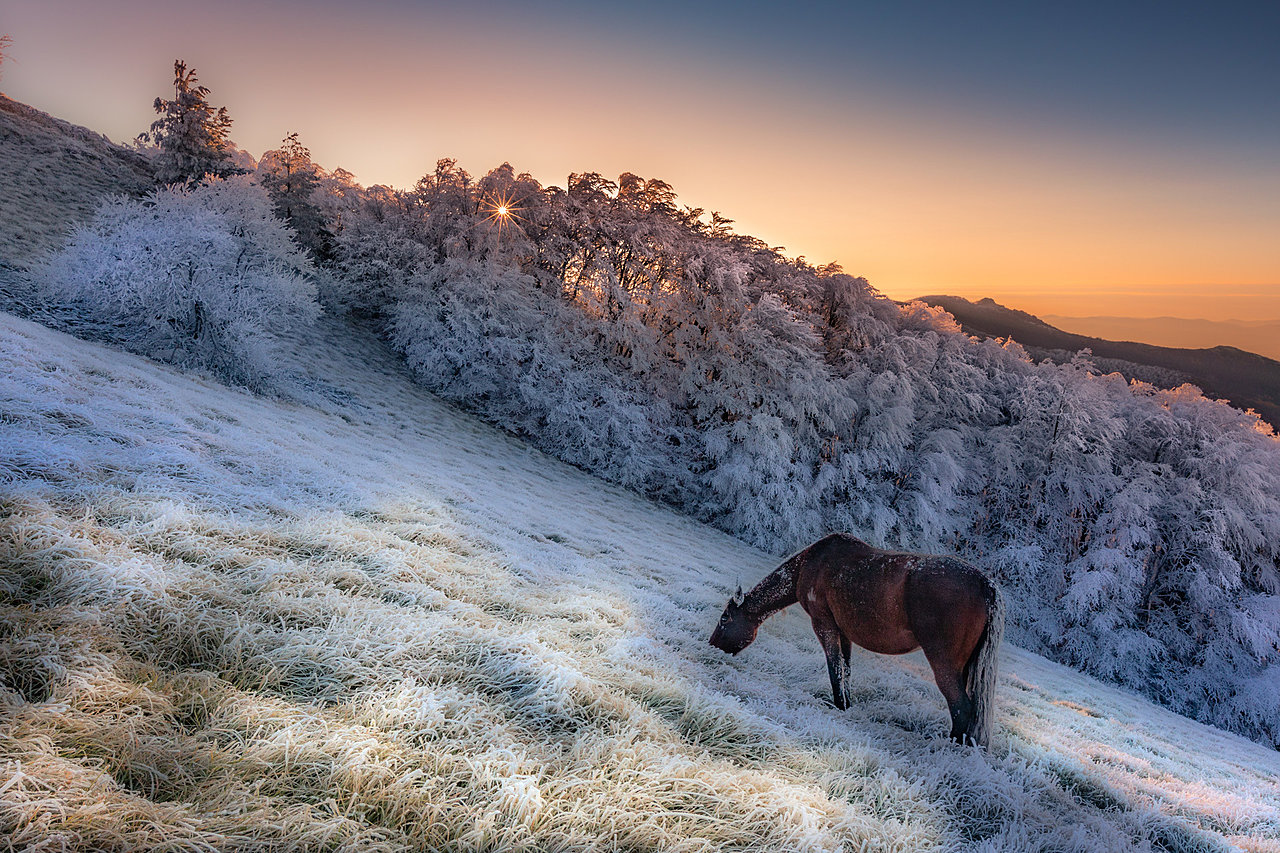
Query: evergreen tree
[[192, 135]]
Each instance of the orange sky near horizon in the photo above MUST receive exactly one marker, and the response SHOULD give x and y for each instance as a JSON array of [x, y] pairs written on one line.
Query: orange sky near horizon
[[920, 194]]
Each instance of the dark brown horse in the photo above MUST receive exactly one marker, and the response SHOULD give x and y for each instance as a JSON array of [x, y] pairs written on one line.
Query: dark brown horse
[[888, 602]]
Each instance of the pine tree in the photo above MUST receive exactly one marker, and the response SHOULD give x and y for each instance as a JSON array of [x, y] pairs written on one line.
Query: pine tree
[[192, 135]]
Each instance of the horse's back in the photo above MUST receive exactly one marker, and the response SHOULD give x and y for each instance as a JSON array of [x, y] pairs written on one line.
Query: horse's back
[[862, 588], [840, 547], [844, 562]]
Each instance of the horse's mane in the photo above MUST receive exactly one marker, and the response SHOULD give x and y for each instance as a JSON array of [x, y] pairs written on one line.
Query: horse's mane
[[776, 591]]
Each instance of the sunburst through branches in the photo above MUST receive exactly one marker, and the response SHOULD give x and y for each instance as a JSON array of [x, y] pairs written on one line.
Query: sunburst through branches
[[503, 212]]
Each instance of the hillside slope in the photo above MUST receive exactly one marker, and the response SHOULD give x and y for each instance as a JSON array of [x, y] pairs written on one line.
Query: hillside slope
[[1247, 380], [362, 620], [54, 173]]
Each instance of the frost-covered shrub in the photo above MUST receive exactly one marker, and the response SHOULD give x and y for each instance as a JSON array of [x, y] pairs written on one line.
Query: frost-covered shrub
[[477, 334], [202, 277]]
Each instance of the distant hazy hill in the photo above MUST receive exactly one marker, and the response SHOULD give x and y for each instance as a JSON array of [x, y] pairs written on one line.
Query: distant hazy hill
[[1248, 380], [1260, 336], [54, 173]]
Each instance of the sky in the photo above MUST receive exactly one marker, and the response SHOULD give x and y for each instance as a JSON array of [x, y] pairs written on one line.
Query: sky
[[1082, 158]]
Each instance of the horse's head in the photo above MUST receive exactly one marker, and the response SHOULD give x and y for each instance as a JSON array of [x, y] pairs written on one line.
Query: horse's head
[[736, 630]]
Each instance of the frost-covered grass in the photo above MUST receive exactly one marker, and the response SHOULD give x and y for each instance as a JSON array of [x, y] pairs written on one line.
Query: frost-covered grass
[[54, 174], [372, 623]]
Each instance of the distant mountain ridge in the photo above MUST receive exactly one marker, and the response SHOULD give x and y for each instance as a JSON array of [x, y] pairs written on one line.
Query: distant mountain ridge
[[1246, 379], [1258, 336]]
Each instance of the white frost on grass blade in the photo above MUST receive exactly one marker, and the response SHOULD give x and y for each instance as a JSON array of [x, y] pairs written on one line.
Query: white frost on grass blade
[[371, 623]]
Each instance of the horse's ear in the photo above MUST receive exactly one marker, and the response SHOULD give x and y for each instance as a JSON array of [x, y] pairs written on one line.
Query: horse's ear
[[738, 596]]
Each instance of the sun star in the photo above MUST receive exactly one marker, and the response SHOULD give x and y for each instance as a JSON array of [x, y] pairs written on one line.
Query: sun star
[[502, 211]]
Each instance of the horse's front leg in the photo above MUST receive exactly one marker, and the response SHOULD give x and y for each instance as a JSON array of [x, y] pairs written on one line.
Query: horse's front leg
[[834, 646]]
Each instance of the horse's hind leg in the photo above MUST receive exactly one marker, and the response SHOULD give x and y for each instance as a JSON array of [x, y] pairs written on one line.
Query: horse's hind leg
[[834, 646], [961, 719], [951, 682]]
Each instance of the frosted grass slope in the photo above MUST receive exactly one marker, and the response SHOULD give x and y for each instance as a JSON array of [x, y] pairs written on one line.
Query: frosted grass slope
[[54, 174], [362, 621]]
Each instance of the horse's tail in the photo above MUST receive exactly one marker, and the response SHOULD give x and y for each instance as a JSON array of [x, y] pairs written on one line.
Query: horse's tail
[[982, 671]]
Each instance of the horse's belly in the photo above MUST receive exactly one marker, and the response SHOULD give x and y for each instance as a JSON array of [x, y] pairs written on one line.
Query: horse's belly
[[880, 627], [886, 642]]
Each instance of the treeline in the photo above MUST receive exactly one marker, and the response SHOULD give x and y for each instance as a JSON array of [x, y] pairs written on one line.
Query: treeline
[[1136, 530]]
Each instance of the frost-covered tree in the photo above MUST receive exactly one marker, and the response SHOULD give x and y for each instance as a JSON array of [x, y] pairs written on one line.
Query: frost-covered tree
[[5, 42], [202, 276], [378, 246], [191, 135], [292, 180], [476, 333]]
